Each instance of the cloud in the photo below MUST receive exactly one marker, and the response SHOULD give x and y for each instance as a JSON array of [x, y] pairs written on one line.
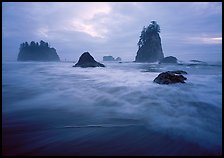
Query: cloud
[[204, 40], [109, 27]]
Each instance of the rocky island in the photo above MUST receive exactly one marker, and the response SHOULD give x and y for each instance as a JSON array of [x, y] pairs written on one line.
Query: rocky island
[[86, 60], [149, 44], [37, 52], [108, 58], [111, 58]]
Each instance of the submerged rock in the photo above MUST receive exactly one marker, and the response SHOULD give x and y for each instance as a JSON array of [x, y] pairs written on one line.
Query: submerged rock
[[169, 59], [197, 61], [86, 60], [169, 78]]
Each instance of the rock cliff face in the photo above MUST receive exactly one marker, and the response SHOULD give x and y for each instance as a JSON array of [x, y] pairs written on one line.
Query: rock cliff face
[[151, 51], [149, 44], [36, 52]]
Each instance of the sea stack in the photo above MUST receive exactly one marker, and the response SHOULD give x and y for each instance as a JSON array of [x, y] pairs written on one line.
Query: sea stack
[[37, 52], [150, 48], [86, 60]]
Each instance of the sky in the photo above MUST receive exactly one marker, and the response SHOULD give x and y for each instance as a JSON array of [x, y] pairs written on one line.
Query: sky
[[189, 30]]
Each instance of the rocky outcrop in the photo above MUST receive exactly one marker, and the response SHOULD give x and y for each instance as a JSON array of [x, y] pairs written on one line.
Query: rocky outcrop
[[37, 52], [111, 58], [118, 59], [108, 58], [150, 48], [168, 60], [169, 77], [86, 60]]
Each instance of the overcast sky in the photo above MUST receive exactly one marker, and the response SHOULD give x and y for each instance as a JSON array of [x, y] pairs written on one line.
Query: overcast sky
[[189, 30]]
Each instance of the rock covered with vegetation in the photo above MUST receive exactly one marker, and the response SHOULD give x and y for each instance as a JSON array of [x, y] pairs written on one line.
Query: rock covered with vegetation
[[37, 52], [149, 44]]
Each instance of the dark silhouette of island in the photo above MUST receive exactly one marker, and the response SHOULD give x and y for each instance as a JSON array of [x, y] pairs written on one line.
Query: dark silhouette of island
[[37, 52], [111, 58], [108, 58], [86, 60], [149, 44]]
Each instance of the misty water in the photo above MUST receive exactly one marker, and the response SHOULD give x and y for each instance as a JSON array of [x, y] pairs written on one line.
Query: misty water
[[52, 108]]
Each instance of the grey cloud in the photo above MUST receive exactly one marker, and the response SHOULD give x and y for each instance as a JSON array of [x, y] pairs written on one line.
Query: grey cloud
[[120, 27]]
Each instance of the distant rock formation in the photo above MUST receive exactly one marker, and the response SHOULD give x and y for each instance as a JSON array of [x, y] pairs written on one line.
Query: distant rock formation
[[169, 59], [118, 59], [111, 58], [37, 52], [170, 77], [108, 58], [198, 62], [86, 60], [150, 48]]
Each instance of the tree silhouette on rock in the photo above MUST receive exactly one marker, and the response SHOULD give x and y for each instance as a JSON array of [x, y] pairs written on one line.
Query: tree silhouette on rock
[[37, 52], [149, 44]]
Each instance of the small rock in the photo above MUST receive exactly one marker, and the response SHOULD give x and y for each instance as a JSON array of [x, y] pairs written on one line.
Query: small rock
[[169, 59], [86, 60], [118, 59], [169, 78]]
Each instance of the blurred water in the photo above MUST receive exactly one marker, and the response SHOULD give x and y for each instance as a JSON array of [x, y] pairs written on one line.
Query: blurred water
[[52, 108]]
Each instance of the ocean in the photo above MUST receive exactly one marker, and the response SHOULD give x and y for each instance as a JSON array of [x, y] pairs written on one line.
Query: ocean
[[52, 108]]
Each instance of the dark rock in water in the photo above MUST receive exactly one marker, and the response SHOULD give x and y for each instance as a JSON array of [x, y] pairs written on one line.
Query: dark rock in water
[[86, 60], [150, 48], [169, 59], [197, 61], [37, 52], [108, 58], [169, 78], [118, 59], [178, 72], [111, 58]]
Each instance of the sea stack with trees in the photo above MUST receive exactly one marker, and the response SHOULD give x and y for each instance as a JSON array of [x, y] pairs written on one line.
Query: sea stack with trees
[[149, 44], [37, 52]]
